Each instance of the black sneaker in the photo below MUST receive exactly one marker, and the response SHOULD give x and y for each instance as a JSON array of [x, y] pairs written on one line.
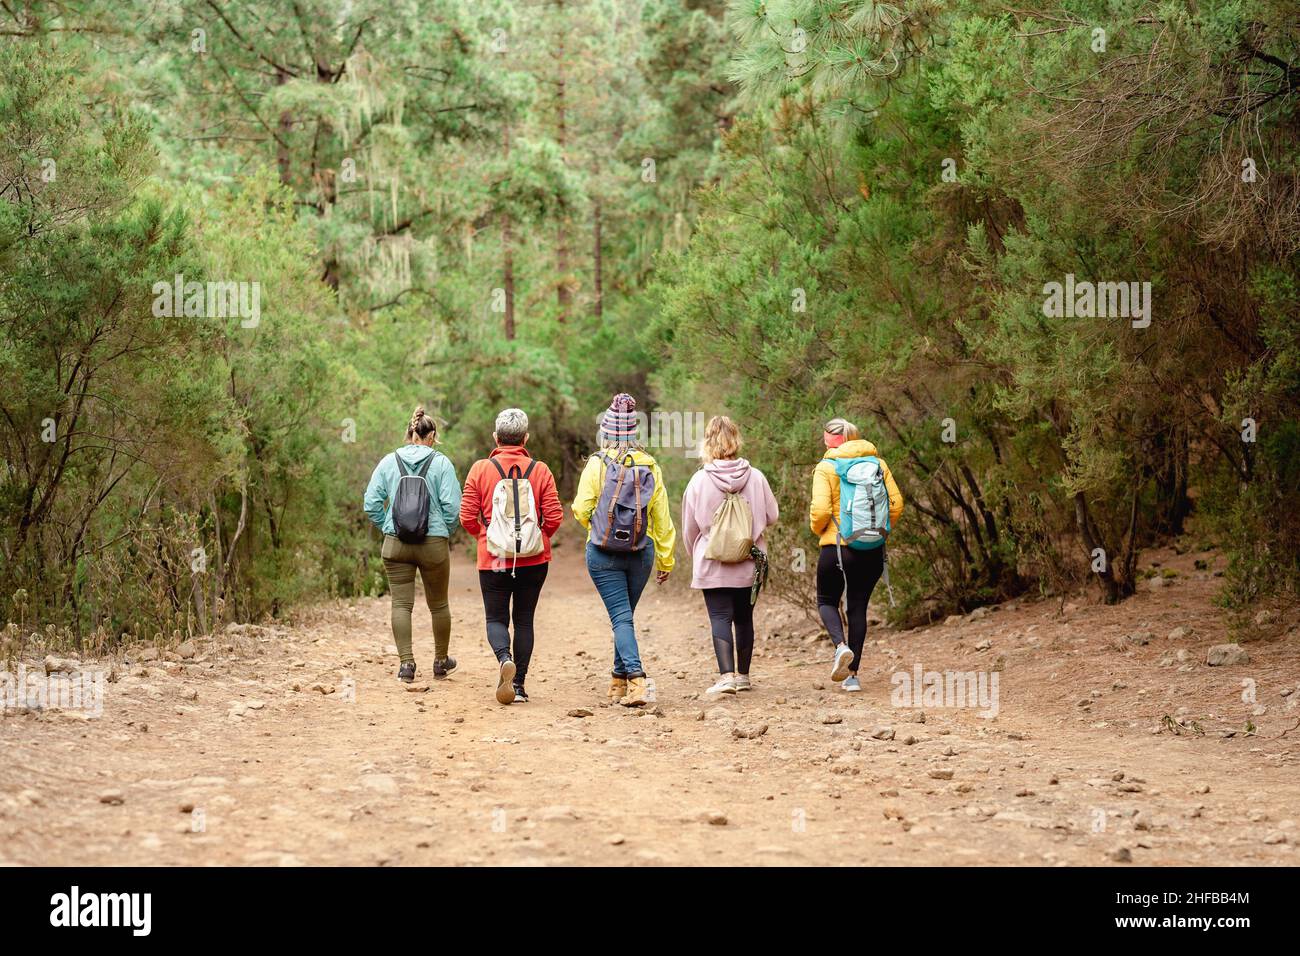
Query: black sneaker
[[406, 673], [444, 667], [521, 695]]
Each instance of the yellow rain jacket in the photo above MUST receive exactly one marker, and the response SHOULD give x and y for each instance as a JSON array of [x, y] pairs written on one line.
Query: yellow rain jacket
[[661, 530], [826, 490]]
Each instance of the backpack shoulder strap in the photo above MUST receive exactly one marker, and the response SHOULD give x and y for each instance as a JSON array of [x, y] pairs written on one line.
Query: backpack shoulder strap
[[402, 470], [529, 470], [497, 465], [424, 468]]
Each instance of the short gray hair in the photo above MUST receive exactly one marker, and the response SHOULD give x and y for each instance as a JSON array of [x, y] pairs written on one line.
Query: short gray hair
[[511, 426]]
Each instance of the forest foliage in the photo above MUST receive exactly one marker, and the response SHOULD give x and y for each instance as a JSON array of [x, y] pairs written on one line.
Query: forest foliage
[[781, 210], [904, 183]]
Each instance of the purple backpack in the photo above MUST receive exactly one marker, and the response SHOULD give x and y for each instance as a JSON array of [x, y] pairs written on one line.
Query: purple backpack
[[620, 520]]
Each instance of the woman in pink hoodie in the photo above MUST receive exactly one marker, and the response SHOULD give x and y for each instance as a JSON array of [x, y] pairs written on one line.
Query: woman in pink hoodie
[[726, 586]]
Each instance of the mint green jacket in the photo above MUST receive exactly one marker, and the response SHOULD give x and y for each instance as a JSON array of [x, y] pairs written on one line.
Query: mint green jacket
[[444, 490]]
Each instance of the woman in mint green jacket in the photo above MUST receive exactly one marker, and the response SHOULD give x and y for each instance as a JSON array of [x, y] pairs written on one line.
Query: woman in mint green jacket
[[431, 556]]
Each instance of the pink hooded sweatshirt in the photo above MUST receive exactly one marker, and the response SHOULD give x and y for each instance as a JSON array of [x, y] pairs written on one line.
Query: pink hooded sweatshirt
[[706, 491]]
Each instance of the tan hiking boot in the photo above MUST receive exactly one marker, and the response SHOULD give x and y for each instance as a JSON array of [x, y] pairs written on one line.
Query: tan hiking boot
[[636, 693], [617, 689]]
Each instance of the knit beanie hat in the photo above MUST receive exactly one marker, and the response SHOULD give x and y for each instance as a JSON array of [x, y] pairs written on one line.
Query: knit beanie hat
[[619, 423]]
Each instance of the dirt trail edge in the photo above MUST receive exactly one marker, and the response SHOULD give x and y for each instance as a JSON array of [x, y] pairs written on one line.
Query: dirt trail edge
[[298, 746]]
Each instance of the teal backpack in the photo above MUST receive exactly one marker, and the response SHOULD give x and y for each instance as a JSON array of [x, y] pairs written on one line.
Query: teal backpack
[[864, 510], [864, 502]]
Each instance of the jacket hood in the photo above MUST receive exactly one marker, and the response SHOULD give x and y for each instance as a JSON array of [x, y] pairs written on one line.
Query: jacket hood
[[730, 475], [414, 454], [857, 448]]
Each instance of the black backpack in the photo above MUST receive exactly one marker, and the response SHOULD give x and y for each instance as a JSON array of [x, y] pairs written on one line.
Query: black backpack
[[411, 502]]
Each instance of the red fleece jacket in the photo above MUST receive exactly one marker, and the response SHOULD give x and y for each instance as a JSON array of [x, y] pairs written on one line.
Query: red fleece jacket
[[476, 502]]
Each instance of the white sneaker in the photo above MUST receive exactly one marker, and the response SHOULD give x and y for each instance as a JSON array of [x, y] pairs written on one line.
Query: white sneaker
[[742, 682], [843, 658], [505, 682], [726, 685], [851, 685]]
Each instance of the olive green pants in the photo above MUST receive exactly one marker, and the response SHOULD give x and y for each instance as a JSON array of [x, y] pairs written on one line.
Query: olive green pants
[[432, 560]]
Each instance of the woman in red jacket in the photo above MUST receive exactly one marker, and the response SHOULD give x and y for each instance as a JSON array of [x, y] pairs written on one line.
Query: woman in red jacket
[[510, 504]]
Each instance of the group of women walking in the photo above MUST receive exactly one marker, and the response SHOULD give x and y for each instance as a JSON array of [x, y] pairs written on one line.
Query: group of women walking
[[510, 504]]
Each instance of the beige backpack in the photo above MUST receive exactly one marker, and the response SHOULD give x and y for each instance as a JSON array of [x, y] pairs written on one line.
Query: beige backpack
[[514, 530], [731, 533]]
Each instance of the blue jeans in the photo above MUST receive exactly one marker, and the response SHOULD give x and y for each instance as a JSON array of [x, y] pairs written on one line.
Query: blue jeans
[[620, 577]]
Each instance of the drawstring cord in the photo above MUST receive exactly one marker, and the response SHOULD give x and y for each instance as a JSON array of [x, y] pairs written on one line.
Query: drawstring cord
[[884, 569], [884, 573]]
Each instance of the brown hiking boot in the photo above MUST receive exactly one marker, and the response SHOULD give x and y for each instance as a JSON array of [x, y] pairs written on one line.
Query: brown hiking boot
[[636, 693], [617, 688]]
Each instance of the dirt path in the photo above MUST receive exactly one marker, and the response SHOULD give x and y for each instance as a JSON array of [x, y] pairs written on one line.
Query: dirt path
[[233, 758]]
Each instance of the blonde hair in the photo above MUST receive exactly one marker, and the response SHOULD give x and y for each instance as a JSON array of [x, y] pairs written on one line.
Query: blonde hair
[[616, 448], [721, 439], [842, 426], [421, 425]]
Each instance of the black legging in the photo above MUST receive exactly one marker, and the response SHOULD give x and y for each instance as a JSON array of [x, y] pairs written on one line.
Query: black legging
[[498, 587], [728, 607], [863, 569]]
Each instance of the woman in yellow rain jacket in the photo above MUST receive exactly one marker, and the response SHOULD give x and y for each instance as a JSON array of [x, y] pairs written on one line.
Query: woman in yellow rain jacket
[[841, 568], [623, 505]]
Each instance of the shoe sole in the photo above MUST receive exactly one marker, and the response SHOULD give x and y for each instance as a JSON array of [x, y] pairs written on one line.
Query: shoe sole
[[445, 674], [841, 671], [853, 690], [505, 690], [721, 690]]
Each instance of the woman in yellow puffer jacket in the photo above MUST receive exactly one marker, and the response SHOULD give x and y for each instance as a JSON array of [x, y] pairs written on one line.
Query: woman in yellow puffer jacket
[[839, 567]]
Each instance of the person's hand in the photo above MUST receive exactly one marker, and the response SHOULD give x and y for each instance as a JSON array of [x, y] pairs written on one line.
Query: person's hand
[[661, 576]]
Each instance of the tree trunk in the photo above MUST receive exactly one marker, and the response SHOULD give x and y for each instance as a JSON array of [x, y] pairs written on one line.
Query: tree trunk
[[508, 259], [1091, 542], [239, 530], [563, 291], [508, 277], [219, 563], [200, 605], [282, 135], [597, 264]]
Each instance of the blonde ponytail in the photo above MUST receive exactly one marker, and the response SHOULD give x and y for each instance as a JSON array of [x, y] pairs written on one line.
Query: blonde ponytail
[[842, 426]]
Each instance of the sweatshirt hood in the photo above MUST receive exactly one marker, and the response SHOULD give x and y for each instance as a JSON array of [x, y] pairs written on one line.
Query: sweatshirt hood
[[730, 475], [858, 448]]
